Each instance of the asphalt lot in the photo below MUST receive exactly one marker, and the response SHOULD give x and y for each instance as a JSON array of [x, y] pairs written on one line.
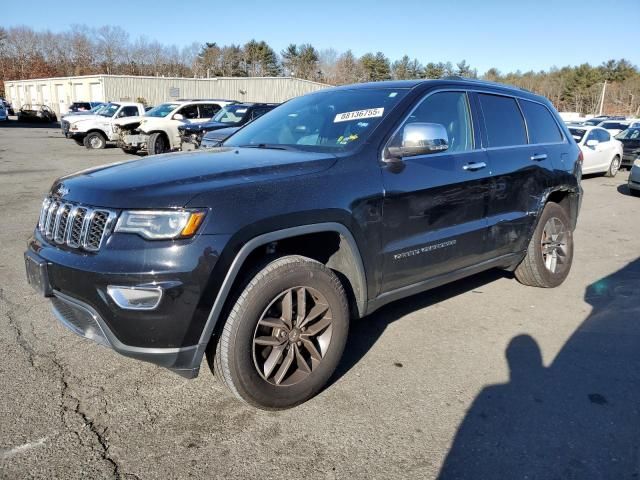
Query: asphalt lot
[[484, 378]]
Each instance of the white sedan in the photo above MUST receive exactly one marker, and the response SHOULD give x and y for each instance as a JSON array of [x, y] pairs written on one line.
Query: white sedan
[[601, 152]]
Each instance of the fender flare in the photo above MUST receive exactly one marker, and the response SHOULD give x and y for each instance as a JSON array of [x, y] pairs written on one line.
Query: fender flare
[[359, 282]]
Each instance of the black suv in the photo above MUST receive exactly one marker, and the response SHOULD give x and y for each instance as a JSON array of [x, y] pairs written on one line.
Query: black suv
[[259, 252], [234, 115]]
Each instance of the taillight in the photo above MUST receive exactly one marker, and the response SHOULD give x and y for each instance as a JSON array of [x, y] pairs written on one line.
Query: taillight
[[580, 158]]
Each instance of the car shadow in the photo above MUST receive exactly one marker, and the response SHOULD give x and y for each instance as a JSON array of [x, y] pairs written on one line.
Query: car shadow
[[624, 190], [578, 418], [19, 124], [365, 332]]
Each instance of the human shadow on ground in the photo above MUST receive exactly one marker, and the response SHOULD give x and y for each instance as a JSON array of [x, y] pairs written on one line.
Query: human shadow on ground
[[578, 418]]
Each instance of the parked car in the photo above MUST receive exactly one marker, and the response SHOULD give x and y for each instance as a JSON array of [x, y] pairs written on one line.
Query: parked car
[[157, 131], [601, 152], [79, 107], [234, 115], [8, 107], [614, 127], [215, 138], [93, 110], [634, 179], [330, 206], [94, 131], [36, 113], [630, 139]]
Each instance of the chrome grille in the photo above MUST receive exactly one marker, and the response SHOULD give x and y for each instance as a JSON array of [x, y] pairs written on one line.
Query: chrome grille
[[76, 226]]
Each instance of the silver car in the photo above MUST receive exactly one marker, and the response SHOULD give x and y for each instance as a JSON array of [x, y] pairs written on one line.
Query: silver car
[[634, 179]]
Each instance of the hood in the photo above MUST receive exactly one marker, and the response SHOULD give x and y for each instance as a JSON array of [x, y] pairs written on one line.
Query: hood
[[220, 134], [83, 118], [204, 127], [171, 180], [129, 120]]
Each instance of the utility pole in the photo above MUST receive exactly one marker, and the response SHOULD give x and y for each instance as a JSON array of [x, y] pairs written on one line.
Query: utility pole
[[604, 89]]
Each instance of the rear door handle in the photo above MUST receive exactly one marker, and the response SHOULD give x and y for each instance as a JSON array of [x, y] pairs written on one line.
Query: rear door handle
[[474, 166], [538, 157]]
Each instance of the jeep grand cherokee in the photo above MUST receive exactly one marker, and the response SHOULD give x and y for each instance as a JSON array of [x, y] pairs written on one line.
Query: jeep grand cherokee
[[326, 208]]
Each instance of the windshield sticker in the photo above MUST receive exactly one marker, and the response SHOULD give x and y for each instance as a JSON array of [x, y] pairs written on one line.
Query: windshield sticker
[[359, 114]]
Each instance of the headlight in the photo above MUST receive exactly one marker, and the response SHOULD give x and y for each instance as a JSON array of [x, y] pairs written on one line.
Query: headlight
[[636, 162], [160, 224]]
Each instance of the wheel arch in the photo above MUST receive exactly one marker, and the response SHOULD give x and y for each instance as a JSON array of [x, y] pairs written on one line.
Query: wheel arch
[[346, 260]]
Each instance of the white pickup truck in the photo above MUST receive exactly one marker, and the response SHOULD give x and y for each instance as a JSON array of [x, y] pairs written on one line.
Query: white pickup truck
[[157, 131], [94, 131]]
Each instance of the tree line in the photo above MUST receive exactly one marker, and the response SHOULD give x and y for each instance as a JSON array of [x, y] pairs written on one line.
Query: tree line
[[26, 53]]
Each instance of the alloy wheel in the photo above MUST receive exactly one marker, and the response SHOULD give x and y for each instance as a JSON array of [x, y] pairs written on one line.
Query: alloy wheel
[[554, 245], [292, 336]]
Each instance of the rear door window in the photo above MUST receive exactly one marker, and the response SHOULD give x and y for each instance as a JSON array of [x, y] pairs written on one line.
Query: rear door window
[[541, 124], [603, 136], [208, 110], [128, 112], [189, 112], [503, 121]]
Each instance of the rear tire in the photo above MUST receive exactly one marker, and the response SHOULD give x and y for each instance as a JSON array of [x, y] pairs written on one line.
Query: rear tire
[[157, 143], [95, 141], [614, 167], [550, 252], [285, 335]]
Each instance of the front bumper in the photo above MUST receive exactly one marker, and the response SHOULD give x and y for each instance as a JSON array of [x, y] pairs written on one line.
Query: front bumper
[[634, 178], [190, 140], [629, 157], [86, 322], [169, 335]]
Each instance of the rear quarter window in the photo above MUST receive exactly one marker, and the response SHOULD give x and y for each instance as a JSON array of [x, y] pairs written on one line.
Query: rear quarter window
[[540, 122], [503, 121]]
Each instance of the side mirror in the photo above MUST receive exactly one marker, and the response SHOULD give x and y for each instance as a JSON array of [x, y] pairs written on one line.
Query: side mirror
[[420, 139], [178, 116], [592, 143]]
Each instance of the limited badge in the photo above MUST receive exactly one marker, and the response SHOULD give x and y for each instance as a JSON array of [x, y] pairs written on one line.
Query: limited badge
[[359, 114]]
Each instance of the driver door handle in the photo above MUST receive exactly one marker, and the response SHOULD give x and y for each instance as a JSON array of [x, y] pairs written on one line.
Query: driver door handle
[[538, 157], [474, 166]]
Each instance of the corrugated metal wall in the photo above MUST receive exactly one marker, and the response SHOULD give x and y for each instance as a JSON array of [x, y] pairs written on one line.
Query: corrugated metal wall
[[59, 93], [157, 90]]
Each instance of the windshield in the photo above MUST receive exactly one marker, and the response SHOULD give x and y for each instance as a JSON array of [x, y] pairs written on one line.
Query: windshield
[[629, 134], [231, 114], [577, 134], [332, 120], [162, 110], [593, 123], [109, 110]]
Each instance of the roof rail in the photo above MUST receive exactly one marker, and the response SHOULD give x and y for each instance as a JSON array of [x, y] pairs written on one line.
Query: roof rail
[[485, 82]]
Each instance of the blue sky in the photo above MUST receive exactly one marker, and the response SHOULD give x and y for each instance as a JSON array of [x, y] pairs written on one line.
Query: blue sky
[[506, 34]]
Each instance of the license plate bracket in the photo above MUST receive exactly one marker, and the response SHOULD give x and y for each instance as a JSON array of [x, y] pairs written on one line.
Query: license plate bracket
[[38, 274]]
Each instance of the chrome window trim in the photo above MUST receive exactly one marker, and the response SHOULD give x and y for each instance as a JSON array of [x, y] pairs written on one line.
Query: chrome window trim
[[481, 149]]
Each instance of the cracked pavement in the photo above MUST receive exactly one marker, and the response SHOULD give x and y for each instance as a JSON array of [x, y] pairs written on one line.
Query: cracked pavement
[[72, 409]]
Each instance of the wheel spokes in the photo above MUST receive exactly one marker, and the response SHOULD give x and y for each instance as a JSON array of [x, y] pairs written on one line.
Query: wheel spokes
[[292, 336], [284, 367], [287, 309]]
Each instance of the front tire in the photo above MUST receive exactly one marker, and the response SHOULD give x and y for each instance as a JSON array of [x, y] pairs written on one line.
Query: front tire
[[550, 252], [614, 167], [285, 334], [157, 143], [95, 141]]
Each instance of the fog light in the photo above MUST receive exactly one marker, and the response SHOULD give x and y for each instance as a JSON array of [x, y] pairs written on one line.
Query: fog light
[[136, 298]]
